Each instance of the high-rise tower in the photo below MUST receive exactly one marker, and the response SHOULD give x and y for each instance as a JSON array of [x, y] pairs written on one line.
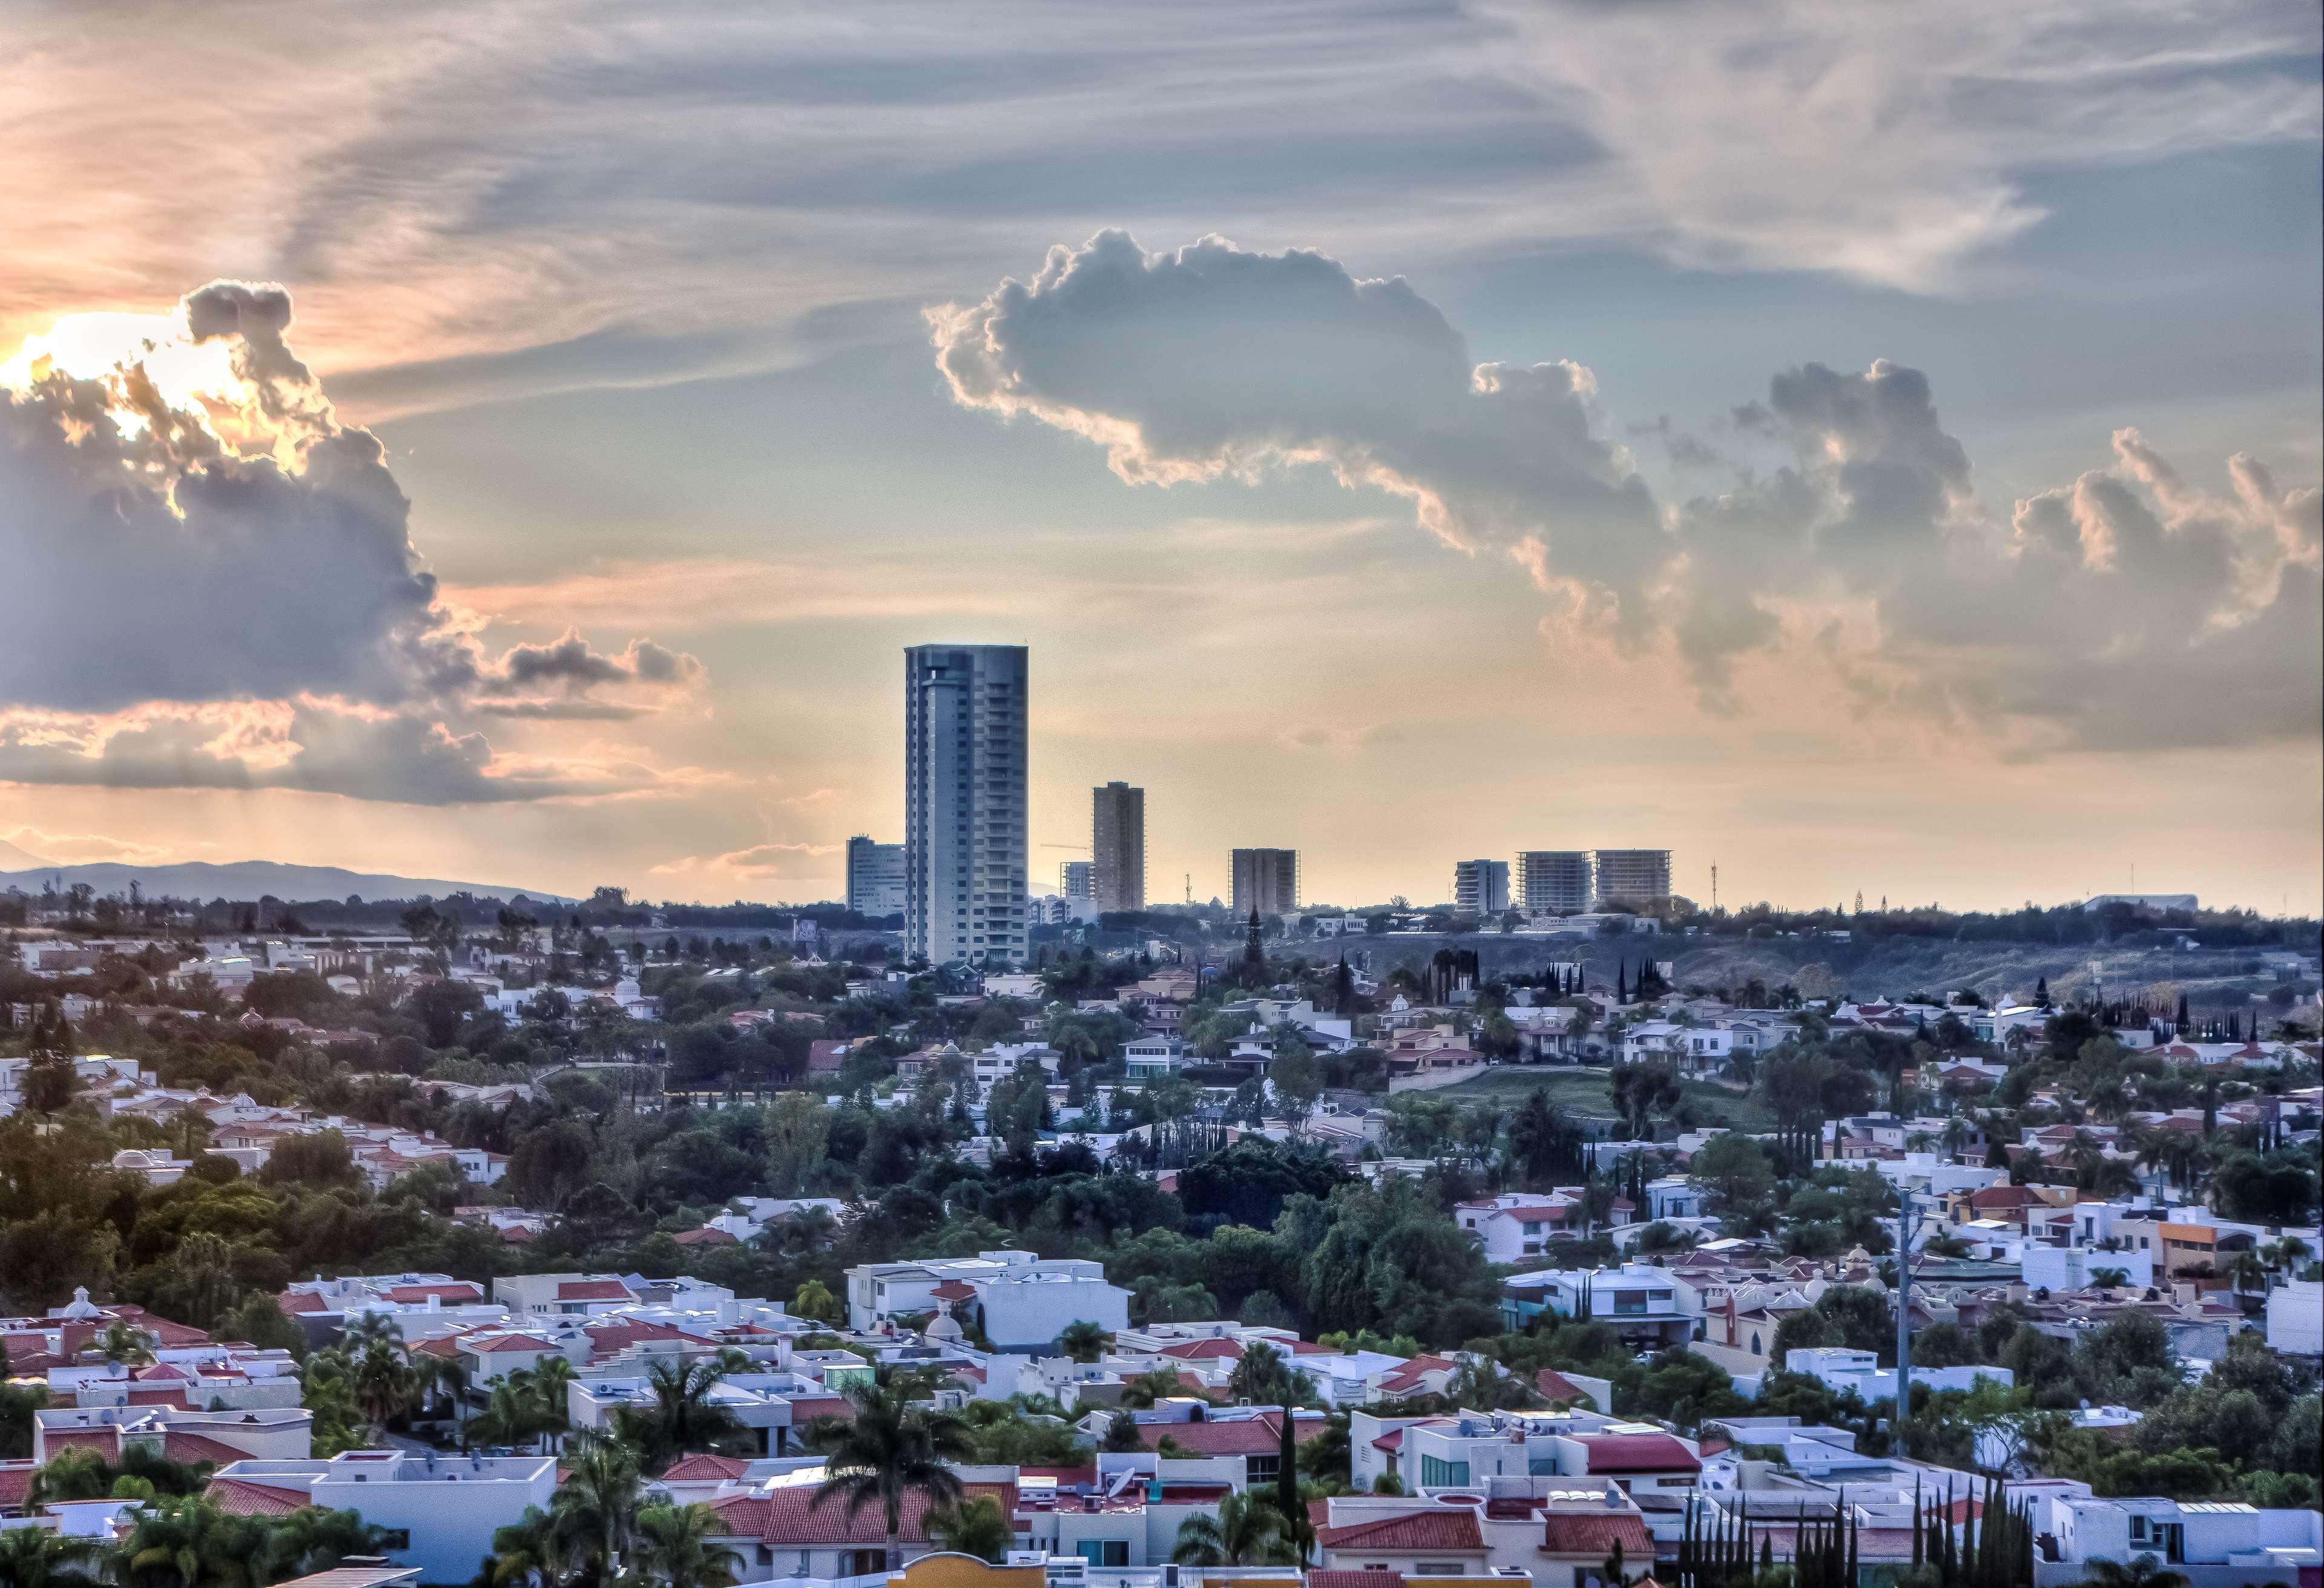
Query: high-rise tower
[[1118, 845], [964, 768]]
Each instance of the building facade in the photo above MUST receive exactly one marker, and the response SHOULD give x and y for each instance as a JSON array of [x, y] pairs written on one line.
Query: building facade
[[965, 771], [1077, 879], [875, 878], [1266, 881], [1630, 877], [1555, 882], [1480, 888], [1118, 845]]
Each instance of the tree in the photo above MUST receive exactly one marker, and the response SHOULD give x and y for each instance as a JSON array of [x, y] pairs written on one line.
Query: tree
[[890, 1449], [184, 1541], [594, 1510], [1083, 1341], [975, 1526], [1734, 1170], [35, 1558], [1296, 1081], [684, 1416], [1245, 1530], [310, 1541], [676, 1544], [815, 1300], [384, 1383], [524, 1553], [1642, 1090]]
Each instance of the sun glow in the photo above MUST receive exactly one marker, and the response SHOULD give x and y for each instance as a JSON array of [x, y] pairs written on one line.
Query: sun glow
[[196, 380]]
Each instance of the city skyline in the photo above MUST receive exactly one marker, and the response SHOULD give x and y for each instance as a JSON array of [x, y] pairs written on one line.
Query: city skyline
[[1893, 469]]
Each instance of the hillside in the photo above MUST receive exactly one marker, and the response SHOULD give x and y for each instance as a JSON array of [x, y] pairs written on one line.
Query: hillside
[[253, 879]]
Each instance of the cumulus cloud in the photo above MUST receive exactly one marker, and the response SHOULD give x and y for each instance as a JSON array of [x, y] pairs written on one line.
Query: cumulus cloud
[[1217, 361], [2132, 608], [766, 862], [212, 582]]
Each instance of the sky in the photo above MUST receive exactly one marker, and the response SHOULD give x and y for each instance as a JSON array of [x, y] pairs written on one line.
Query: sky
[[1868, 449]]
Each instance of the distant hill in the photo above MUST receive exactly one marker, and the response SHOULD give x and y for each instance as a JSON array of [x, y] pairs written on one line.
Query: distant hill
[[252, 879], [14, 858]]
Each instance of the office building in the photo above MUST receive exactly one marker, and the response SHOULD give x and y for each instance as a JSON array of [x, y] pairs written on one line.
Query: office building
[[1266, 881], [1630, 877], [1480, 888], [875, 878], [1118, 845], [1555, 882], [964, 767], [1077, 879]]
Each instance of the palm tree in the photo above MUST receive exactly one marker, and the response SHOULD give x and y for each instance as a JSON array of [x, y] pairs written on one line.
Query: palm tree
[[524, 1553], [124, 1344], [34, 1557], [893, 1448], [1155, 1384], [1247, 1531], [675, 1544], [552, 1408], [310, 1540], [684, 1416], [511, 1416], [596, 1509], [72, 1473], [187, 1542], [976, 1526], [1084, 1341], [384, 1382], [2248, 1272], [367, 1329]]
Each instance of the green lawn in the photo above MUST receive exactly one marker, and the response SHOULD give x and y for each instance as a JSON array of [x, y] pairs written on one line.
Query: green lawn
[[1583, 1091]]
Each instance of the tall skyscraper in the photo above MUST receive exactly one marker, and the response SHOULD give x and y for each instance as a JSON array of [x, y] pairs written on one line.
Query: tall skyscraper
[[1480, 888], [1077, 879], [875, 878], [1118, 845], [965, 766], [1266, 881], [1555, 882], [1630, 877]]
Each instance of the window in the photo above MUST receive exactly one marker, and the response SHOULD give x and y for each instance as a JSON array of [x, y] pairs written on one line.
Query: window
[[1438, 1474], [1102, 1552], [1633, 1304]]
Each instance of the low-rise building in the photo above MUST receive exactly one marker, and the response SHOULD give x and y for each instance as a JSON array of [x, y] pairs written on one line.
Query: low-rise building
[[439, 1512]]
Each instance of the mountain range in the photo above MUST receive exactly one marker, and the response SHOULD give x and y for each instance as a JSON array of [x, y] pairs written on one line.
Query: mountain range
[[249, 880]]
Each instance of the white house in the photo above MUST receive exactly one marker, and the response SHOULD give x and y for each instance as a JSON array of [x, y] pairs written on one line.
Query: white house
[[1022, 1302], [2295, 1318], [2237, 1543], [439, 1512], [1841, 1368]]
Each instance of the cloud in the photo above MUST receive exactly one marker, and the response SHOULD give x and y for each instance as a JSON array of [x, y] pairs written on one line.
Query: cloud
[[88, 848], [2130, 611], [766, 862], [1215, 361], [1890, 144], [212, 582]]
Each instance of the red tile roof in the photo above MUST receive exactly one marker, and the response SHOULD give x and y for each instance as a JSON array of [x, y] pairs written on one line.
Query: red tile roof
[[1639, 1453], [601, 1290], [535, 1343], [1410, 1533], [1594, 1534], [460, 1292], [190, 1449], [294, 1302], [16, 1483], [953, 1291], [1357, 1579], [706, 1236], [789, 1517], [1257, 1435], [105, 1440], [1554, 1386], [702, 1468], [806, 1409], [1214, 1350], [239, 1497]]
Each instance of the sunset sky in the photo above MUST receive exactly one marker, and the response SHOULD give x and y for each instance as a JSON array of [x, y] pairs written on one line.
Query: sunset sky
[[1868, 447]]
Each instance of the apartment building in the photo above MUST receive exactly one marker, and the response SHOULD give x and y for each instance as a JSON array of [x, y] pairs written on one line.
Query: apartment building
[[1480, 888], [1266, 881], [1555, 882], [1118, 845], [964, 838], [1629, 877], [875, 878]]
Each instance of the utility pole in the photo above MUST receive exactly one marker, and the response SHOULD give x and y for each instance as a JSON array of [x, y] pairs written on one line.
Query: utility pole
[[1714, 887], [1908, 1224]]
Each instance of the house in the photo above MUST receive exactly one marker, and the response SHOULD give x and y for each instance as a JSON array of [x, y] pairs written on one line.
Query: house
[[563, 1295], [2228, 1542], [1842, 1368], [1637, 1299], [190, 1437], [1155, 1057], [439, 1512], [1020, 1301]]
